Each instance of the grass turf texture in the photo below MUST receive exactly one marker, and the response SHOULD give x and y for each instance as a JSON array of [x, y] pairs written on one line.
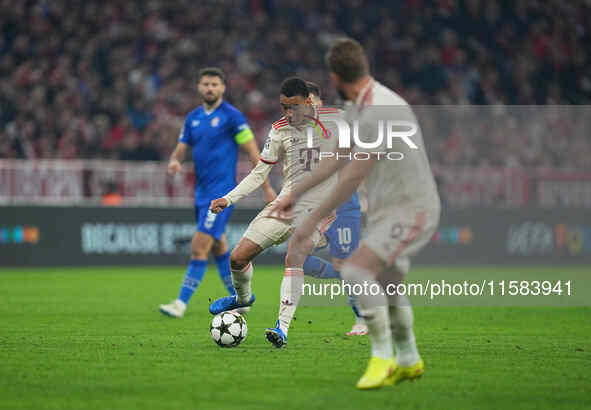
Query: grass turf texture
[[93, 339]]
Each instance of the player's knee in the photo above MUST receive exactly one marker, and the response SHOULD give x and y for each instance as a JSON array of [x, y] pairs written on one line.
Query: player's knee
[[200, 246], [198, 252], [401, 321], [353, 273], [219, 247], [350, 273], [238, 260]]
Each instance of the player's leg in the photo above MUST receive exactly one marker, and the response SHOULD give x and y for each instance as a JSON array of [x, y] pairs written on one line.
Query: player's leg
[[359, 328], [215, 226], [262, 233], [320, 268], [200, 247], [221, 254], [362, 271], [343, 237], [395, 239], [242, 269], [291, 289], [241, 273], [408, 361]]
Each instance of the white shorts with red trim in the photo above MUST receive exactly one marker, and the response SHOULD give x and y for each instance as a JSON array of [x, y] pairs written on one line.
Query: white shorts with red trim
[[401, 234], [266, 231]]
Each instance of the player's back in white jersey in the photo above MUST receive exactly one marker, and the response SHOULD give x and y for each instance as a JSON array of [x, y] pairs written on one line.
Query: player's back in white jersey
[[403, 203], [402, 177]]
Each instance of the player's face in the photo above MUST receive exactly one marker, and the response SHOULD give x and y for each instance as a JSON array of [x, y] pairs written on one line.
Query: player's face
[[295, 108], [211, 89], [338, 85], [316, 101]]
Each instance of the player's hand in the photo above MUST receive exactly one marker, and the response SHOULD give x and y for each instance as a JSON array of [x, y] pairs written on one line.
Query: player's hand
[[283, 208], [217, 205], [174, 166], [269, 195]]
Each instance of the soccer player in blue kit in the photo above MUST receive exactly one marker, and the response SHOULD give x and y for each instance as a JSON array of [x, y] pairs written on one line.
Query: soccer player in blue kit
[[213, 133]]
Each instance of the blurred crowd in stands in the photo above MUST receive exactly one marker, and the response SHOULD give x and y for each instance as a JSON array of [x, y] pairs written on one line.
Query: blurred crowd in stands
[[114, 79]]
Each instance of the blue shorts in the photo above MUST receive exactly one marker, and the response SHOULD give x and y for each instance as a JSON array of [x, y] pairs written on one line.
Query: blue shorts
[[343, 236], [210, 223]]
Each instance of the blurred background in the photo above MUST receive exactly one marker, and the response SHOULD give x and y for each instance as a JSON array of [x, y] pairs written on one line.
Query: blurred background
[[93, 94]]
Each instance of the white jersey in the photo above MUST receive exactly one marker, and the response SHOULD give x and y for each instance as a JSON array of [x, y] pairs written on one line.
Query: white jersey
[[394, 182], [300, 157]]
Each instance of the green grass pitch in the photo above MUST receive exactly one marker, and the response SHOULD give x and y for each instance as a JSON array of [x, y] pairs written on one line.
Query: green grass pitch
[[93, 339]]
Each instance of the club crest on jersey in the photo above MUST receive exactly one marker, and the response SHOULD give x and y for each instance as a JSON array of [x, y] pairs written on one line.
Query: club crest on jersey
[[215, 121], [195, 123]]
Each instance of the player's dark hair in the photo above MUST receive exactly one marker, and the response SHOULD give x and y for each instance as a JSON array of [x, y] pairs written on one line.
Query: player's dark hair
[[313, 88], [347, 59], [293, 86], [212, 72]]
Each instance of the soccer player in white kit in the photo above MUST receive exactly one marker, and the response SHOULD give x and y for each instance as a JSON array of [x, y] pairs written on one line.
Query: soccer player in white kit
[[299, 138], [403, 211]]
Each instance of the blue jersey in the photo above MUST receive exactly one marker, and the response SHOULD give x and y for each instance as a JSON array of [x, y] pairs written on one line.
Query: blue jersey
[[214, 138], [351, 207]]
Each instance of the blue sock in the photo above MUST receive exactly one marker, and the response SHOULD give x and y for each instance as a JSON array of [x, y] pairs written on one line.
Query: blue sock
[[193, 277], [352, 303], [223, 263], [319, 268]]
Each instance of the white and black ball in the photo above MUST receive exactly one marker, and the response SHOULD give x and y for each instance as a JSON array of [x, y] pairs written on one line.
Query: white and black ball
[[228, 329]]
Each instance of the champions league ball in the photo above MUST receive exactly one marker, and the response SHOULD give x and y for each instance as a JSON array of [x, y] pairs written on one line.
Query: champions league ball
[[228, 329]]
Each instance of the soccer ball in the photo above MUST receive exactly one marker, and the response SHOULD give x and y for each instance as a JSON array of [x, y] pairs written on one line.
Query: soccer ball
[[228, 329]]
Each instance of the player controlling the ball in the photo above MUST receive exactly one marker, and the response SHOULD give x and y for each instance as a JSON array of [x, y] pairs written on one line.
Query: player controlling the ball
[[403, 213], [288, 137], [213, 132], [342, 235]]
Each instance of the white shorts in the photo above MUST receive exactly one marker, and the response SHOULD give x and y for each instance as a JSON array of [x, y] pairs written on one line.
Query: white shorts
[[267, 231], [400, 234]]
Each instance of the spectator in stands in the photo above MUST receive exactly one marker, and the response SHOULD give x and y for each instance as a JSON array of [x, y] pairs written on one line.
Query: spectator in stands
[[75, 81]]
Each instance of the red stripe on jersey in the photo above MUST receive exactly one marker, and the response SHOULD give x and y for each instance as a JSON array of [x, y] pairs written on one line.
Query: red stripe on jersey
[[268, 162], [278, 126], [327, 110], [281, 123]]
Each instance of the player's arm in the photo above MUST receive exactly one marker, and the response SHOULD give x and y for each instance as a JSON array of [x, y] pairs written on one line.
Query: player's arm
[[176, 158], [327, 167], [251, 148], [178, 155], [252, 181], [350, 178], [255, 178]]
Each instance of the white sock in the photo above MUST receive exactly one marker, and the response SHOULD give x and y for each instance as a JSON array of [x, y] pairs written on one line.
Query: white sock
[[372, 308], [291, 292], [402, 319], [241, 281]]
